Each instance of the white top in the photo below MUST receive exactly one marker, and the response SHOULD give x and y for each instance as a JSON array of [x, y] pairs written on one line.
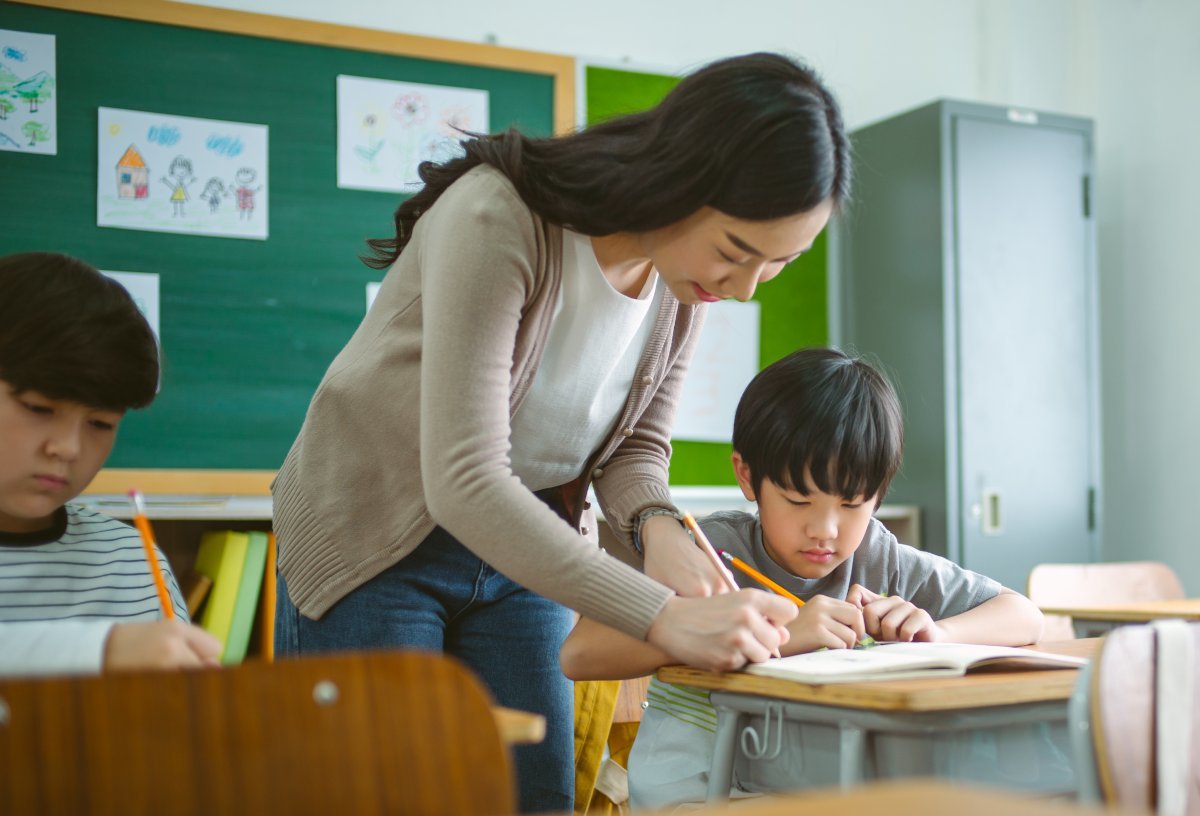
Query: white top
[[586, 372], [60, 595]]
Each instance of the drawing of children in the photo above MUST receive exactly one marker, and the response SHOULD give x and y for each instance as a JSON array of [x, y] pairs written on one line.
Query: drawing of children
[[244, 192], [179, 177], [213, 192]]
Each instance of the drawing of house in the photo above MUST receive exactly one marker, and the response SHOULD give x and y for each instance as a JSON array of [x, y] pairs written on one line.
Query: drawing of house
[[133, 176]]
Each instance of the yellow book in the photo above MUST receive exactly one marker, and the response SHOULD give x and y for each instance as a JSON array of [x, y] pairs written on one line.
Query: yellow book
[[222, 557]]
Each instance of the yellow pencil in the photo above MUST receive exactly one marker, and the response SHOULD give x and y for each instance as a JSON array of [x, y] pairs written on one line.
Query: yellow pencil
[[702, 540], [143, 525], [758, 576]]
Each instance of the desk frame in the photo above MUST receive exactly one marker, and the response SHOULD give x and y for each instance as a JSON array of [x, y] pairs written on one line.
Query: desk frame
[[855, 726], [897, 707]]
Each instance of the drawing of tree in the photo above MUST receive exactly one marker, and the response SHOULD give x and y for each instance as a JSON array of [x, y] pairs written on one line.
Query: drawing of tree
[[35, 132], [7, 79], [38, 88], [6, 107]]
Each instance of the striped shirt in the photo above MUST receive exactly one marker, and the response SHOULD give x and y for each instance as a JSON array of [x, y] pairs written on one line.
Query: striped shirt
[[62, 590]]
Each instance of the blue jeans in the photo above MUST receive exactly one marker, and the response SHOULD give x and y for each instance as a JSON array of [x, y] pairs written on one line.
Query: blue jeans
[[444, 598]]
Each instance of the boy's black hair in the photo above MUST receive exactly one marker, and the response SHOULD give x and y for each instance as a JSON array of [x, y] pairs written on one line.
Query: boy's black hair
[[70, 333], [823, 413]]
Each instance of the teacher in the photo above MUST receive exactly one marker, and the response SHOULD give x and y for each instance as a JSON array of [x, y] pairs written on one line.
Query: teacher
[[543, 298]]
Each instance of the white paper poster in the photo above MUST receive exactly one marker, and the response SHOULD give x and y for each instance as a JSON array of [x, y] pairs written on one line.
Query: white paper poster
[[167, 173], [28, 112], [725, 362], [143, 288], [386, 129]]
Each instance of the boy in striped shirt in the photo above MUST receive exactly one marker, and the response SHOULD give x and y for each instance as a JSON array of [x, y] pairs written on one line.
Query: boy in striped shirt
[[76, 593]]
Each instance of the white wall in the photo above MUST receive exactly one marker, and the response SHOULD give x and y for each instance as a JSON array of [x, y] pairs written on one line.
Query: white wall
[[1148, 138], [1132, 65]]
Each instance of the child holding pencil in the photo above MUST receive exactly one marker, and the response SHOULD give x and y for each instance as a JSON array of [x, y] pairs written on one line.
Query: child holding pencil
[[77, 593], [817, 439]]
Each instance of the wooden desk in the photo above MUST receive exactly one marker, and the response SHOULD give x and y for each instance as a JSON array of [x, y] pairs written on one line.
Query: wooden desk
[[1094, 620], [927, 796], [853, 724]]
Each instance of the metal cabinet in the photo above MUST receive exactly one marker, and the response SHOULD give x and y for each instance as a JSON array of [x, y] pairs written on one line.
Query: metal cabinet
[[966, 265]]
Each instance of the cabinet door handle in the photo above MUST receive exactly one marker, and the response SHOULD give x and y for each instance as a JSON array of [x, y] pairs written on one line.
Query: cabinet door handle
[[992, 519]]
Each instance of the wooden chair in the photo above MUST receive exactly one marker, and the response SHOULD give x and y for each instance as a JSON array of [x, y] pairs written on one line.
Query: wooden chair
[[1134, 720], [362, 733], [1066, 585]]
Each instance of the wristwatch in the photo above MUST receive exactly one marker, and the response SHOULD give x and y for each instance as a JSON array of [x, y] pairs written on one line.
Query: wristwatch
[[648, 513]]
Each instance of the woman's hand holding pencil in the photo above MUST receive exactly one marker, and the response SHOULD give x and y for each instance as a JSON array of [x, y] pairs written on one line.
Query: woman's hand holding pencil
[[722, 632], [711, 553]]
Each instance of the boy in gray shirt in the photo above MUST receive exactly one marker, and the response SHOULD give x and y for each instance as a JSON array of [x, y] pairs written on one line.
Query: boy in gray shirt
[[817, 439]]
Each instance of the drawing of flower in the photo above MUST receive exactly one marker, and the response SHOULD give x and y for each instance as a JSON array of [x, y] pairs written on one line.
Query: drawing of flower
[[410, 110], [454, 120]]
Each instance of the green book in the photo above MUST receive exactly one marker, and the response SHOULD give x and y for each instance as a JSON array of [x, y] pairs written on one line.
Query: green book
[[222, 557], [246, 607]]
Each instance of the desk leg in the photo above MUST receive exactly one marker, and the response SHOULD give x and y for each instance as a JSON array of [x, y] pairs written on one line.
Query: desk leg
[[852, 754], [720, 776]]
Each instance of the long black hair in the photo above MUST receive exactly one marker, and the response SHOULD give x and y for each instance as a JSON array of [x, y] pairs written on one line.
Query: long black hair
[[756, 137]]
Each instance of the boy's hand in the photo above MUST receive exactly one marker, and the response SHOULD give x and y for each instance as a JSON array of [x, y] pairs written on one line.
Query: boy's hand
[[825, 622], [674, 559], [891, 618], [724, 632], [164, 644]]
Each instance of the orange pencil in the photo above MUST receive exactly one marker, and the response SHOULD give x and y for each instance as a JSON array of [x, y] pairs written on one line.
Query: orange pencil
[[758, 576], [143, 525]]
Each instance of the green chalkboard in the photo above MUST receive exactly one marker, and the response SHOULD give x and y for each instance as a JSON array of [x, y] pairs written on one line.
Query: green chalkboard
[[794, 309], [248, 327]]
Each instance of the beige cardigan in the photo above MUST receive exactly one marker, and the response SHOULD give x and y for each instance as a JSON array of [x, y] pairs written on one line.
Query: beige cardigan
[[410, 426]]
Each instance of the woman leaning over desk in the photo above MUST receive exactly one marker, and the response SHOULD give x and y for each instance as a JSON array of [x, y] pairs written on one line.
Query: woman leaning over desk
[[542, 301]]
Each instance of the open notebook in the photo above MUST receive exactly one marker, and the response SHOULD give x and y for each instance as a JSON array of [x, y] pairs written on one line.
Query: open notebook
[[894, 661]]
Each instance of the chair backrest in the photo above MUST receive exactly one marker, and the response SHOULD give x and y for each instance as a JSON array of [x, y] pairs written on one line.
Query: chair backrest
[[1067, 585], [363, 733], [631, 700], [1135, 720]]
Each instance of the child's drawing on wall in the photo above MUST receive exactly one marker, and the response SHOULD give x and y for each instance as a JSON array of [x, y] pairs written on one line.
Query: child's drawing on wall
[[422, 122], [373, 127], [198, 161], [28, 112], [244, 192], [213, 192], [181, 178], [133, 176]]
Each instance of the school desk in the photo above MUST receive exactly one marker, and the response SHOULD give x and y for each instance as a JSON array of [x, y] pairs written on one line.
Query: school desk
[[1098, 619], [932, 797], [848, 733]]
